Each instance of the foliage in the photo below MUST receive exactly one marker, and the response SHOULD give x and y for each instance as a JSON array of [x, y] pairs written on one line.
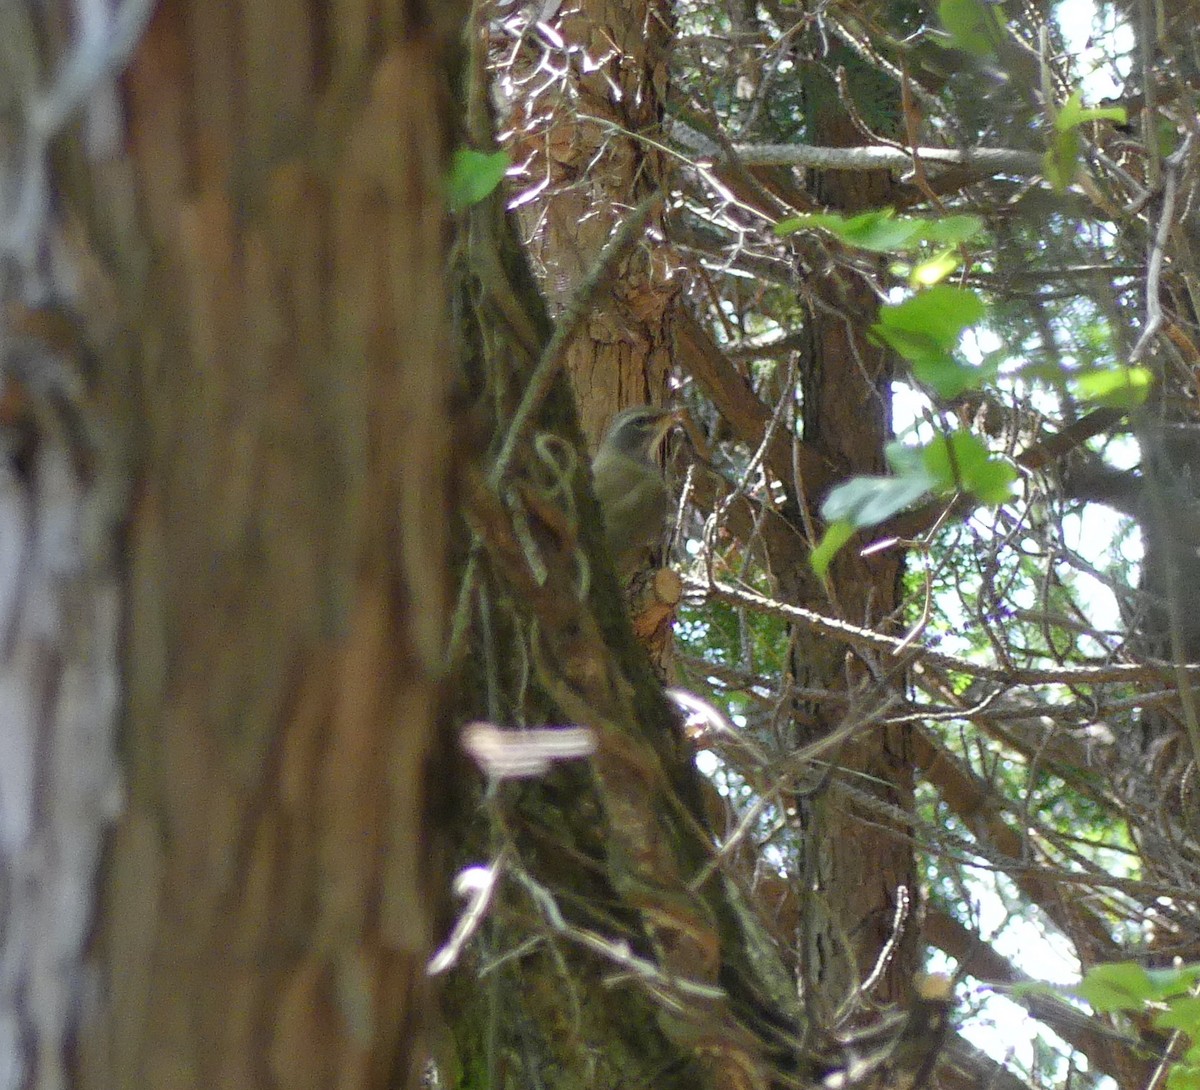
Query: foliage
[[473, 175], [1040, 341], [1167, 997]]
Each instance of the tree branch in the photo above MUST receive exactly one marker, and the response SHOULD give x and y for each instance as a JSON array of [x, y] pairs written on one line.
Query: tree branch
[[1112, 1053], [986, 160], [741, 407]]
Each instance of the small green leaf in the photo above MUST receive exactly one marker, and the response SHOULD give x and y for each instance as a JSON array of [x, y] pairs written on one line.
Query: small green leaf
[[904, 460], [836, 535], [1173, 982], [1061, 159], [1070, 113], [992, 482], [881, 232], [951, 459], [960, 461], [1183, 1077], [953, 230], [912, 345], [868, 501], [1073, 113], [1116, 387], [935, 270], [925, 329], [1183, 1012], [473, 175], [1123, 986], [974, 27], [830, 221], [945, 375], [791, 225]]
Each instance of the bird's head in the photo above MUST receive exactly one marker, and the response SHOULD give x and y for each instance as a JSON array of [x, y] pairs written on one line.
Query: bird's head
[[639, 432]]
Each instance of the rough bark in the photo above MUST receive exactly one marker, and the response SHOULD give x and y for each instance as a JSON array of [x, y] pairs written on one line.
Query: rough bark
[[581, 142], [864, 918], [607, 961], [261, 254]]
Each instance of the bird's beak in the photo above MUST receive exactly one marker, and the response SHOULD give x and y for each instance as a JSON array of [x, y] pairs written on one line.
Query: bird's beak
[[664, 427]]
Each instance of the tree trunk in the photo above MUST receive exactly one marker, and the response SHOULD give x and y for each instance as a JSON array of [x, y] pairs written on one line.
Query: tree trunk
[[865, 914], [604, 961], [263, 262], [580, 141]]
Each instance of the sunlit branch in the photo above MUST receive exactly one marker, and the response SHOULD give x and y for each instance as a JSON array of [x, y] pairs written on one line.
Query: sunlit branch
[[986, 160]]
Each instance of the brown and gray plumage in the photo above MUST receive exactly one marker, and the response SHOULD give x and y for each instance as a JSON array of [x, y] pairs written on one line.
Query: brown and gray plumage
[[630, 486]]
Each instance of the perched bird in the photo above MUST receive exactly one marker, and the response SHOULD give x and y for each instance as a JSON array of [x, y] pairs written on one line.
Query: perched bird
[[629, 483]]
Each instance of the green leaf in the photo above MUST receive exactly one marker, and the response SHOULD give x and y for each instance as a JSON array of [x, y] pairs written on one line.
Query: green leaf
[[1183, 1077], [1183, 1012], [951, 459], [1117, 387], [935, 270], [960, 460], [904, 460], [881, 232], [1173, 982], [473, 175], [926, 328], [793, 224], [974, 27], [912, 345], [1123, 986], [1070, 113], [953, 230], [1061, 159], [992, 482], [945, 375], [868, 501], [1073, 113], [829, 221], [939, 315], [837, 534]]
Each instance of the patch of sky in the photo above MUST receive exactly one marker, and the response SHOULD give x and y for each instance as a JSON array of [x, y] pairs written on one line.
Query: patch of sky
[[1083, 25], [995, 1024]]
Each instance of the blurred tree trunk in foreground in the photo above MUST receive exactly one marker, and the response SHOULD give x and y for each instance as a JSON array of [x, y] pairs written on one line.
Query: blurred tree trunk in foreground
[[261, 249]]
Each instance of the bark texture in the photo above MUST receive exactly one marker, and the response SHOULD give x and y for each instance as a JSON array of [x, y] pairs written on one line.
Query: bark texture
[[261, 261], [581, 142], [861, 930]]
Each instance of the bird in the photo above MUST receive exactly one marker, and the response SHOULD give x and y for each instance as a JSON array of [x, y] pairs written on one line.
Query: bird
[[630, 485]]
